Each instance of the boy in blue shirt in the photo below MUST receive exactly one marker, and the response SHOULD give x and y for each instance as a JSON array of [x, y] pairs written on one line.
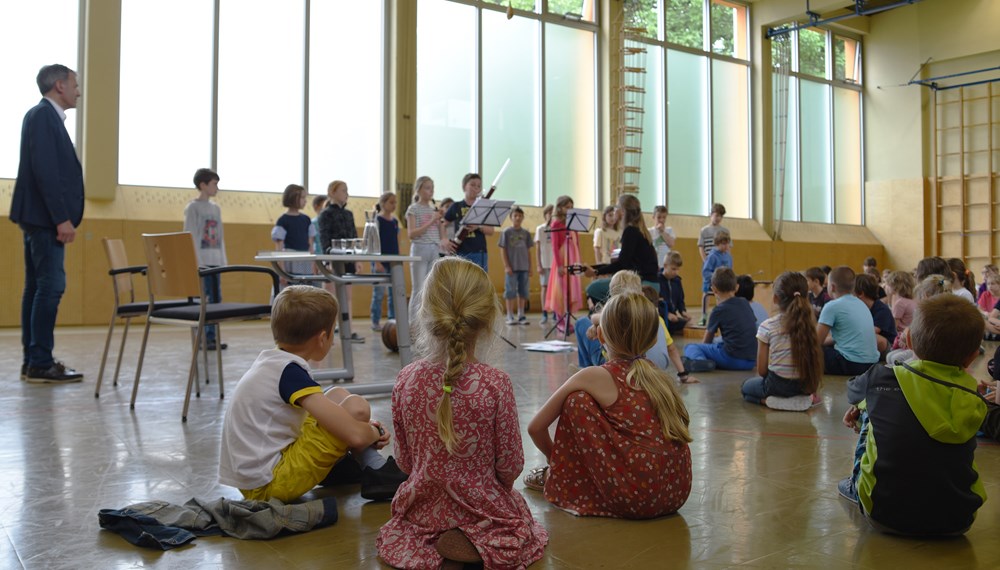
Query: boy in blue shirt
[[718, 257], [672, 292], [866, 288], [846, 329], [734, 318], [915, 471]]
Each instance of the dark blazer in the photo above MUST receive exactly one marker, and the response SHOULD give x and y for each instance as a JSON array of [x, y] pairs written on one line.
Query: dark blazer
[[49, 186]]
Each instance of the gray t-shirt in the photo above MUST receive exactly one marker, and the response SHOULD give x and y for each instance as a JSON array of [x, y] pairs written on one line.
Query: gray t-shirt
[[203, 219], [516, 241], [421, 214], [706, 239]]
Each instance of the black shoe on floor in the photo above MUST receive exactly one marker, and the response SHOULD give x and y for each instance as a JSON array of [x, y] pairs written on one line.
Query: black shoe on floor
[[24, 372], [381, 484], [58, 373], [213, 346], [344, 472], [357, 339]]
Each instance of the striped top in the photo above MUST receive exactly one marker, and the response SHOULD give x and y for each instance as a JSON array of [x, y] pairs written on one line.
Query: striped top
[[421, 214], [779, 356]]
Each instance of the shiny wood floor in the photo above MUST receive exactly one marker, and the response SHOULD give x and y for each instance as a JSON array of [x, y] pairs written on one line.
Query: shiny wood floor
[[764, 491]]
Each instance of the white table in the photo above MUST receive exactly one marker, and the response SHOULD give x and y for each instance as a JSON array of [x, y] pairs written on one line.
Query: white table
[[331, 267]]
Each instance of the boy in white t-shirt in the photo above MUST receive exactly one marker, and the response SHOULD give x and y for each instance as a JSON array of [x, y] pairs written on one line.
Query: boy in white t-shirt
[[282, 435]]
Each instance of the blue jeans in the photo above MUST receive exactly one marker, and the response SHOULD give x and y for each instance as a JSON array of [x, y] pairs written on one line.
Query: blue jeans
[[378, 293], [212, 285], [756, 389], [717, 353], [588, 352], [479, 258], [44, 284]]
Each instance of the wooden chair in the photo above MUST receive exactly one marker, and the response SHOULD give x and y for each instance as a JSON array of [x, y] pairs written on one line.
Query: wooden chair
[[174, 273], [125, 306]]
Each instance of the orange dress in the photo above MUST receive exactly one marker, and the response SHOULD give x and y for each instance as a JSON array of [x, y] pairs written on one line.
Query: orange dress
[[615, 461], [563, 242]]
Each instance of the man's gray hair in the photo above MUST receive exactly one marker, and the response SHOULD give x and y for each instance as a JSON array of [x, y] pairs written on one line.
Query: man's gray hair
[[49, 74]]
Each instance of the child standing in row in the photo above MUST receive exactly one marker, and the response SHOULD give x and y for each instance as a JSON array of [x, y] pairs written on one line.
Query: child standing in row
[[789, 359], [294, 231], [459, 503], [565, 252], [282, 435], [203, 219], [388, 235], [337, 222], [662, 234], [543, 251], [514, 245], [621, 446], [718, 257], [734, 318], [423, 226], [608, 237]]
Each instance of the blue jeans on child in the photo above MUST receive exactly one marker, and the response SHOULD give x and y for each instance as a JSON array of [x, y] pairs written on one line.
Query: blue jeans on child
[[477, 257], [213, 292], [717, 353], [378, 293], [756, 389], [588, 352]]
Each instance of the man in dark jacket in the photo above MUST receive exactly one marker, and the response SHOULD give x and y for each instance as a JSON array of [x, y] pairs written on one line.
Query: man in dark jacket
[[48, 206]]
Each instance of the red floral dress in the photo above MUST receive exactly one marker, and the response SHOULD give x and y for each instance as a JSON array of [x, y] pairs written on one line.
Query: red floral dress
[[471, 489], [615, 461]]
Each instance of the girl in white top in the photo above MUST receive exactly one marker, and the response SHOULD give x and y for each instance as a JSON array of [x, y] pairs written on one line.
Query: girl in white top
[[608, 237], [423, 227], [963, 283]]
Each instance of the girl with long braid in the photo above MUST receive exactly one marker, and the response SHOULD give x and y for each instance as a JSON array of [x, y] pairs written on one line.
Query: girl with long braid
[[621, 448], [457, 435], [789, 358]]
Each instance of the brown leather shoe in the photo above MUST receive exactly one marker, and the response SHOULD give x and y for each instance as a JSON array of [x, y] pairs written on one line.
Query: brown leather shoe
[[58, 373]]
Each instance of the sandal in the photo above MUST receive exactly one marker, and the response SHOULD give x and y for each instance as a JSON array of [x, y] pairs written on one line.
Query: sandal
[[535, 479]]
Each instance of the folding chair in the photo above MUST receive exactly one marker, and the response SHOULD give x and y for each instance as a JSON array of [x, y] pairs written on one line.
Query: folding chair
[[173, 272], [121, 282]]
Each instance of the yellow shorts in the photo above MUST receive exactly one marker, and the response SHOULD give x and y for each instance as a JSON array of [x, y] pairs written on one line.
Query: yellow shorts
[[303, 464]]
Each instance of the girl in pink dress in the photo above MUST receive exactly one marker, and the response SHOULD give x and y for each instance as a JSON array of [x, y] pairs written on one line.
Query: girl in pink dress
[[457, 435], [621, 448], [565, 248]]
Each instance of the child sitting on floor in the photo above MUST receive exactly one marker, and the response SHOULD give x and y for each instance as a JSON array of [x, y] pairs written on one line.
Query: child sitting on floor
[[846, 329], [672, 291], [914, 471], [282, 435], [457, 435], [621, 447], [734, 319], [866, 288], [745, 288], [899, 287], [818, 295], [789, 359]]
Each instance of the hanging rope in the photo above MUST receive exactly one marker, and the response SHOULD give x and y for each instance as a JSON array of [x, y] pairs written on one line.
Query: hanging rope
[[781, 65]]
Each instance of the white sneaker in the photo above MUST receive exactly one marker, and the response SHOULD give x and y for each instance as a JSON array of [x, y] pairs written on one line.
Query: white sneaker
[[511, 321], [792, 404]]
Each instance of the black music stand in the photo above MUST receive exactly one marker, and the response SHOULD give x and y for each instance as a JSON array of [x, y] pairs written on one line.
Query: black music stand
[[577, 220], [486, 212]]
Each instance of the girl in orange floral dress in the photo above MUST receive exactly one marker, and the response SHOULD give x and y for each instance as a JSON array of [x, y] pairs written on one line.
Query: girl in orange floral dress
[[621, 447]]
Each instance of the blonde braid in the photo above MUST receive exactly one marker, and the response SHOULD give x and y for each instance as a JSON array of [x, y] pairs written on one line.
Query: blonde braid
[[453, 371]]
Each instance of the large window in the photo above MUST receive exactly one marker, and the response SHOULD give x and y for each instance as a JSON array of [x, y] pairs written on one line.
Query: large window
[[21, 26], [817, 112], [703, 137], [297, 95], [482, 97]]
